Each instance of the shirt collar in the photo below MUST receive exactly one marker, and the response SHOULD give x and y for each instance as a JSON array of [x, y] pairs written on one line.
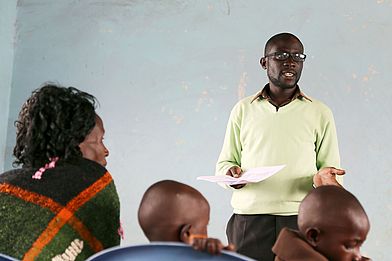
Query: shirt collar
[[264, 94]]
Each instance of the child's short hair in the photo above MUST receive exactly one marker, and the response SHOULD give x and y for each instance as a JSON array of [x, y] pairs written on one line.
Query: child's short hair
[[333, 222], [169, 205]]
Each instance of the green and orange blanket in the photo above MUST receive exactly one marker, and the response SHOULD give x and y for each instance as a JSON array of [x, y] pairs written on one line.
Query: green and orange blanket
[[70, 213]]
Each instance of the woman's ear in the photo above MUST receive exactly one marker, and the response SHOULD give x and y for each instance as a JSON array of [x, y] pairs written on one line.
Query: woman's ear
[[185, 234], [312, 236], [263, 63]]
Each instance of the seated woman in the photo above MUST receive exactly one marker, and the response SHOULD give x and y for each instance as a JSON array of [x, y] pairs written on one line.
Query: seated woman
[[62, 203]]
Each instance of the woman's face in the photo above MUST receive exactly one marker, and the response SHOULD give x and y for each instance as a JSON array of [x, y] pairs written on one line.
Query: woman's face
[[92, 147]]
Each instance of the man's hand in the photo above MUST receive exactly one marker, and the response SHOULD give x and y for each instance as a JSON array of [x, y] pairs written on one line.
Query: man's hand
[[235, 172], [211, 245], [327, 176]]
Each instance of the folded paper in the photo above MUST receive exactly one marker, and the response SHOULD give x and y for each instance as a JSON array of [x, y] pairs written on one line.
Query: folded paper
[[250, 176]]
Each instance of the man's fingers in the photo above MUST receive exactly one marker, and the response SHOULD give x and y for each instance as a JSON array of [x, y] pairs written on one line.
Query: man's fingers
[[235, 175], [327, 176], [333, 171], [340, 172], [234, 172]]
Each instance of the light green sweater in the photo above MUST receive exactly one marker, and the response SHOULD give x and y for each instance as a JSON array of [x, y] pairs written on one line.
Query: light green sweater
[[301, 135]]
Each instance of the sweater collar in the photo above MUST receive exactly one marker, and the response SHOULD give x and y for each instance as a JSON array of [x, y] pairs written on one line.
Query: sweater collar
[[264, 95]]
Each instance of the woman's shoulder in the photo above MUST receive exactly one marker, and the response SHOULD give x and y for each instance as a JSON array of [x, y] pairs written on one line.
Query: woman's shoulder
[[63, 182], [83, 165], [13, 174]]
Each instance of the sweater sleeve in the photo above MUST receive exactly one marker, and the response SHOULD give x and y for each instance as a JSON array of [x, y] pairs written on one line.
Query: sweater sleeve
[[327, 149], [231, 151]]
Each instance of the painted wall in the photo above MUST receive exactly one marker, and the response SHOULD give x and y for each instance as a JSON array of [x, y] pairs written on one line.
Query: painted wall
[[167, 74], [7, 32]]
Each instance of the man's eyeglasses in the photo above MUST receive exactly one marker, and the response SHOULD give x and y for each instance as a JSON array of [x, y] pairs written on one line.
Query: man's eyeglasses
[[282, 56]]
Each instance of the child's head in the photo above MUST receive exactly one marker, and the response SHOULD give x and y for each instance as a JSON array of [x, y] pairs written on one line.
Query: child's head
[[333, 221], [173, 211]]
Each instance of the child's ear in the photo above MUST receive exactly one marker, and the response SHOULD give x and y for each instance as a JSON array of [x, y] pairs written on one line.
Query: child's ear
[[312, 236], [185, 234]]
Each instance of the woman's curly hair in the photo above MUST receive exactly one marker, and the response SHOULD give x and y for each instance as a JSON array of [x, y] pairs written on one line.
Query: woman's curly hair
[[52, 123]]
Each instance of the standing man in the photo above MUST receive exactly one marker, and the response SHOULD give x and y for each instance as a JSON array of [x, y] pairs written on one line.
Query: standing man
[[279, 125]]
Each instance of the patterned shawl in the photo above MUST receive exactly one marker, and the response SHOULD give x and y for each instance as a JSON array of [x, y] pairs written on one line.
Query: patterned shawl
[[70, 213]]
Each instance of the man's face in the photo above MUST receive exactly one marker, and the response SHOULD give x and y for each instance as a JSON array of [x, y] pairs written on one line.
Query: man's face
[[92, 147], [284, 74], [343, 243]]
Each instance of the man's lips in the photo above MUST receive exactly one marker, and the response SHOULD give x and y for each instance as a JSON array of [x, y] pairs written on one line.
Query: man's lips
[[289, 74]]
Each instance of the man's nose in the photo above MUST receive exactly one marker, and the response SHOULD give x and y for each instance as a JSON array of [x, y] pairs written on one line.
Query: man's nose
[[290, 63]]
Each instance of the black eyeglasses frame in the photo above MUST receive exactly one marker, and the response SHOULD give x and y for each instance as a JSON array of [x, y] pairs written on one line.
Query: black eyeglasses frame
[[298, 57]]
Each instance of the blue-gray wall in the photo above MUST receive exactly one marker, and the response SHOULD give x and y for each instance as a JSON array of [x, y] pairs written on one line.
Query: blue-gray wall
[[167, 74], [7, 33]]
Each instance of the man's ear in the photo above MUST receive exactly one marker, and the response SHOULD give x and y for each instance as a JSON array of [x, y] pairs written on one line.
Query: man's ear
[[185, 234], [312, 236], [263, 63]]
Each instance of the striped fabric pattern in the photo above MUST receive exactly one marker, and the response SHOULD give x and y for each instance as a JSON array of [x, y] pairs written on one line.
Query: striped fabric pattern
[[75, 202]]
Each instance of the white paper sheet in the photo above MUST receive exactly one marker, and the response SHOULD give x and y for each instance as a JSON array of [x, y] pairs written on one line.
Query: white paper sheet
[[250, 176]]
